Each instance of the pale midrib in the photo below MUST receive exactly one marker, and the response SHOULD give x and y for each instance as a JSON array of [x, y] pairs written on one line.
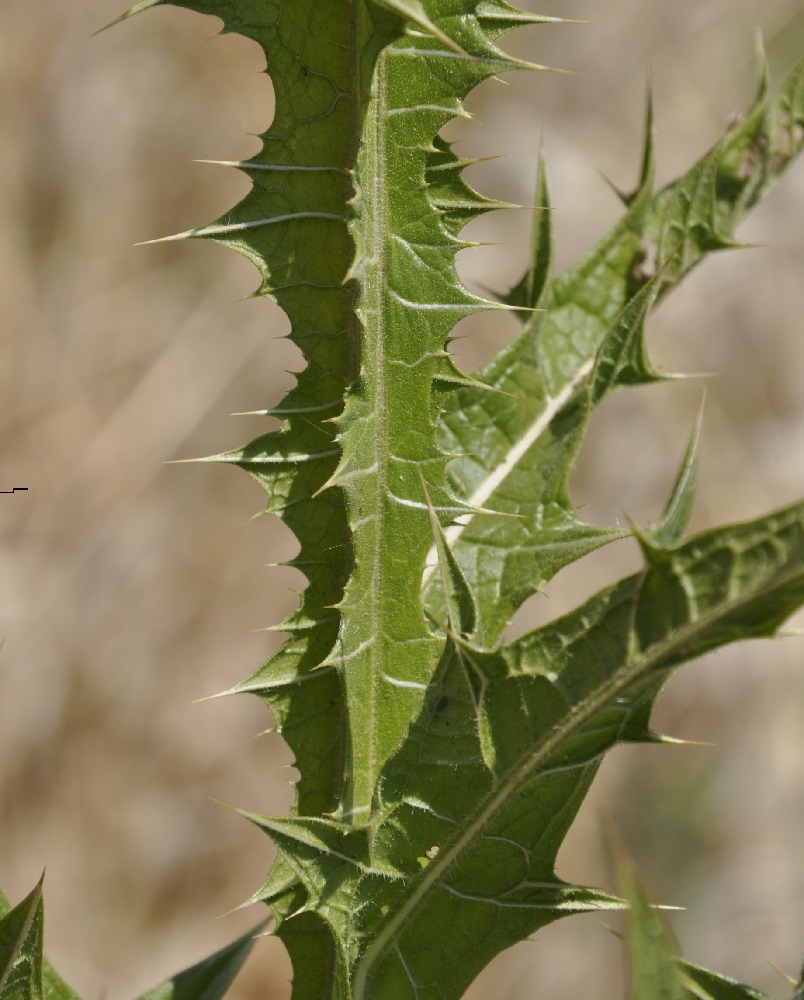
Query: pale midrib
[[512, 458], [576, 718], [379, 272], [19, 945]]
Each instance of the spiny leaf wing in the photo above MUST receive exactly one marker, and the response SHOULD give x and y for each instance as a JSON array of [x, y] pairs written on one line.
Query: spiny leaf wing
[[506, 439], [392, 469]]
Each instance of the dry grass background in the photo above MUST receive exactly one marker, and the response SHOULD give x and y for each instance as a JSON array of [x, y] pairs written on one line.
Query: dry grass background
[[128, 588]]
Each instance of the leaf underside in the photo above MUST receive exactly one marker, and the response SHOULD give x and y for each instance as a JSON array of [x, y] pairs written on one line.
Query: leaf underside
[[440, 770]]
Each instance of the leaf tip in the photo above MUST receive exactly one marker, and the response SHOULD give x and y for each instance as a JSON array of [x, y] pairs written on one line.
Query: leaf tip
[[136, 9]]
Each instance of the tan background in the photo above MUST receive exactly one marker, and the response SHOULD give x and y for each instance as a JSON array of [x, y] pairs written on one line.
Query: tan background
[[128, 588]]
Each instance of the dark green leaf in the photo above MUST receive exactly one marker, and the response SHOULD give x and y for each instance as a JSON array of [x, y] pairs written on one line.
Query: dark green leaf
[[210, 978], [21, 942]]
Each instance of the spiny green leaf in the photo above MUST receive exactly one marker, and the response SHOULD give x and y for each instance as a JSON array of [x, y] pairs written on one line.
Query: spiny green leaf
[[24, 973], [703, 984], [21, 939], [347, 241], [505, 442], [473, 808], [496, 766], [379, 641], [670, 527], [514, 449], [210, 978], [412, 10], [528, 293], [293, 226], [53, 986], [439, 770], [409, 299]]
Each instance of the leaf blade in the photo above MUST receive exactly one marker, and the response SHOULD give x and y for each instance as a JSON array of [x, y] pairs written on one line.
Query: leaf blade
[[498, 437], [526, 728], [210, 978], [21, 942]]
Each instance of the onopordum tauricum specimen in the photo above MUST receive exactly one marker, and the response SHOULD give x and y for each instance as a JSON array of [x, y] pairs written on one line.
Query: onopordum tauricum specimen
[[440, 767]]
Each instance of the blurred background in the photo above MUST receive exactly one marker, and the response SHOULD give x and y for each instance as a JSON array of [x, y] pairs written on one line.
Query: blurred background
[[129, 588]]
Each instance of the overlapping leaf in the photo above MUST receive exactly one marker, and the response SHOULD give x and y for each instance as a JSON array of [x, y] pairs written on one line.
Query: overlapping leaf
[[475, 805], [516, 445], [409, 299]]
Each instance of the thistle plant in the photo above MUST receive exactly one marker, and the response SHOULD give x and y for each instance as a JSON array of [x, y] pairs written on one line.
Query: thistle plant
[[441, 765]]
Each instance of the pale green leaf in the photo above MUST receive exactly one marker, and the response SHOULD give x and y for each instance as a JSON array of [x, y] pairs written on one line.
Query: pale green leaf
[[293, 226], [655, 974]]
